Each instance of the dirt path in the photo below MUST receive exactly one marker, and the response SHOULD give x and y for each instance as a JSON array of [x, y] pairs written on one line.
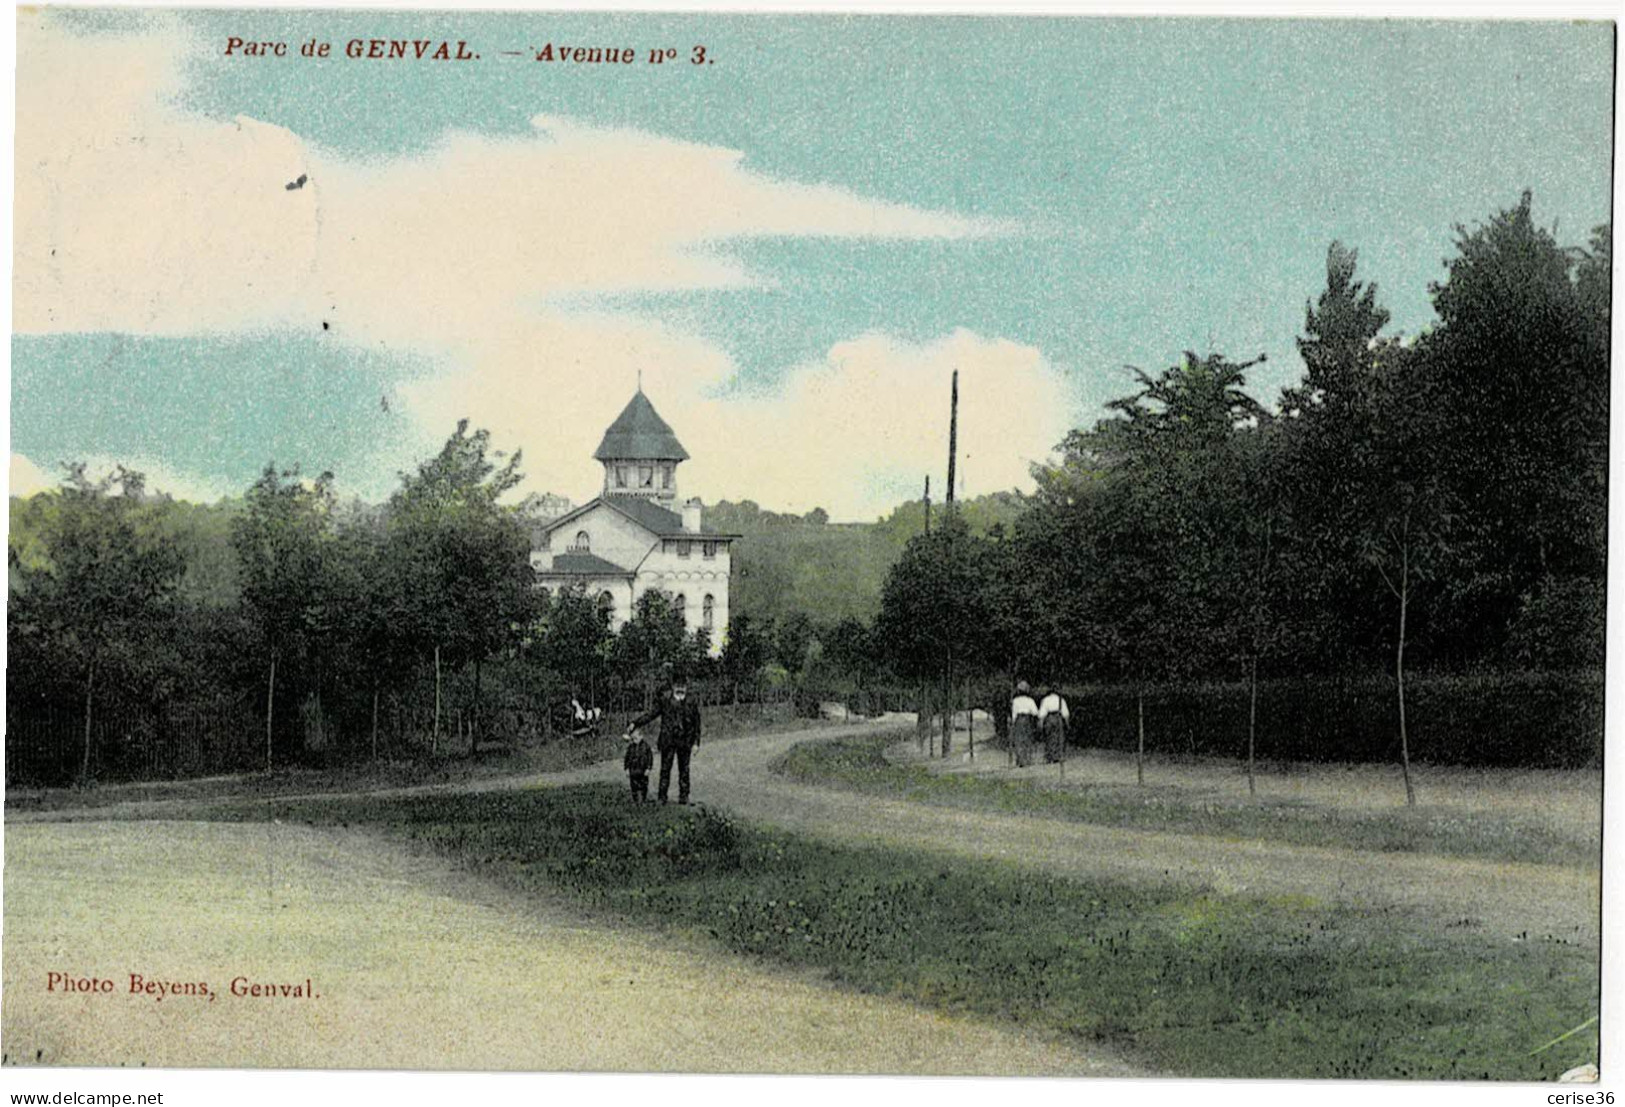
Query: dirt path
[[1507, 900], [412, 965]]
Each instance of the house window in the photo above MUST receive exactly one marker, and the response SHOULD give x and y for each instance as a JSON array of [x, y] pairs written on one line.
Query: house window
[[582, 544], [666, 474], [682, 549], [646, 476], [681, 603], [710, 549], [620, 476], [708, 612], [606, 603]]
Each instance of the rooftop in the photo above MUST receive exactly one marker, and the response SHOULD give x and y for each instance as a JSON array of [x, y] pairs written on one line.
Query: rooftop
[[640, 434], [586, 564], [647, 513]]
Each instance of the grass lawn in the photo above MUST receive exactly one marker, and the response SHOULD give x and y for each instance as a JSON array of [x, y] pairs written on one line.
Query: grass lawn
[[860, 764], [1180, 982]]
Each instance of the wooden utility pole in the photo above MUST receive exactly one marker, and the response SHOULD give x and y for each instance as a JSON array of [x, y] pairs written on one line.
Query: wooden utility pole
[[434, 741], [953, 440], [928, 503], [270, 708]]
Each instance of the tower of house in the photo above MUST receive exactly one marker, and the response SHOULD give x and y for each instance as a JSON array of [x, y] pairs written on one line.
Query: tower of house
[[641, 454]]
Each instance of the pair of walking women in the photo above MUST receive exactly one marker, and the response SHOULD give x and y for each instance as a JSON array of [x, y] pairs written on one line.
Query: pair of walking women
[[1036, 722]]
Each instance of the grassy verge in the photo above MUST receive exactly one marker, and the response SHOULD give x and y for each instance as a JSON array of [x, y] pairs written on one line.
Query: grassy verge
[[1189, 984], [860, 764], [559, 755]]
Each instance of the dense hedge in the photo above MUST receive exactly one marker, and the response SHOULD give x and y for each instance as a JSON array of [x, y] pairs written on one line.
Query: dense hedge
[[1546, 720]]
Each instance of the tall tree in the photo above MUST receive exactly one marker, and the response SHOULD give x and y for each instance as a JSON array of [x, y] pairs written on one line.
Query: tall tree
[[655, 643], [746, 650], [283, 539], [1329, 422], [462, 559], [576, 639], [98, 600], [1519, 362]]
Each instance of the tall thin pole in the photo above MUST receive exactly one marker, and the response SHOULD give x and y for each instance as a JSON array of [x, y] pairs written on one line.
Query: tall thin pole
[[928, 503], [953, 441]]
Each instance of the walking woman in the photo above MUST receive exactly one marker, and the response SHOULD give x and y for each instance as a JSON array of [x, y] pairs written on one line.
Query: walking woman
[[1023, 724]]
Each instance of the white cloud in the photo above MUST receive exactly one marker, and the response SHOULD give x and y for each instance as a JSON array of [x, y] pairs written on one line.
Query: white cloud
[[134, 216], [854, 432], [27, 478], [858, 431]]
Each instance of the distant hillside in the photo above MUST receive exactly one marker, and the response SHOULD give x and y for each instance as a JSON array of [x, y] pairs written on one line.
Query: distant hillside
[[789, 564]]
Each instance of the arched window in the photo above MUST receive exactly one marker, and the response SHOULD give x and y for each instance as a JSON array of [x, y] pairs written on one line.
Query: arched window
[[583, 543], [606, 603], [680, 602], [708, 612]]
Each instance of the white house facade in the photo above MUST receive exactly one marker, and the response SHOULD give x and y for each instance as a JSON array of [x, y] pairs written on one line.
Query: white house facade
[[636, 536]]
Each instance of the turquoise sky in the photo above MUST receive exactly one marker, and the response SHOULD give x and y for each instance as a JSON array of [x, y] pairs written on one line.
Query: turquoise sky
[[1175, 184]]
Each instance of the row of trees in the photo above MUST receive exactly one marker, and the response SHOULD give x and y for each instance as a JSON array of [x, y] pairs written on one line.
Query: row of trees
[[332, 608], [1438, 501]]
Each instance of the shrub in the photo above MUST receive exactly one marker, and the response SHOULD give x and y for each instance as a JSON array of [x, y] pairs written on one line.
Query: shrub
[[1543, 719]]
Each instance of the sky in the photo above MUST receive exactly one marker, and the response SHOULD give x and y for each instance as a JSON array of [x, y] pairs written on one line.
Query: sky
[[792, 245]]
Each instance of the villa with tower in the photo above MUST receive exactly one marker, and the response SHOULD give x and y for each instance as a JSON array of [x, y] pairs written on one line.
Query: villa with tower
[[636, 536]]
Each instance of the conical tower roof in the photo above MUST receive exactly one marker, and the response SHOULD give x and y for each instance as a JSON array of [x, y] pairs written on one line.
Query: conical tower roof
[[640, 434]]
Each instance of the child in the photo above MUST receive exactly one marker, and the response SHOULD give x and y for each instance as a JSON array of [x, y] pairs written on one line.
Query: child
[[639, 757]]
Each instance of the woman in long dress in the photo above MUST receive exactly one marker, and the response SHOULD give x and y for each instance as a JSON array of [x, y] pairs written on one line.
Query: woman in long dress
[[1023, 724], [1053, 717]]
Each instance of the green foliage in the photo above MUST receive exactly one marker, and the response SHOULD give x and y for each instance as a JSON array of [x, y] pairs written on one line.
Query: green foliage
[[655, 644], [792, 638], [283, 542], [102, 573], [935, 611], [1560, 625], [459, 557], [95, 609], [575, 638], [1521, 354]]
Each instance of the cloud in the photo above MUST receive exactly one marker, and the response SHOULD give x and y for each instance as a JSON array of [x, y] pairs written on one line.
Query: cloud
[[133, 217], [854, 432], [27, 478], [857, 432], [490, 257]]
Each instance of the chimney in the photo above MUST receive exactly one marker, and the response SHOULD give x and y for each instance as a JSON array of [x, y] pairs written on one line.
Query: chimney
[[691, 515]]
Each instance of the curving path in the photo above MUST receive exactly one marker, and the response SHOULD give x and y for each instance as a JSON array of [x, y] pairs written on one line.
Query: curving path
[[1514, 901]]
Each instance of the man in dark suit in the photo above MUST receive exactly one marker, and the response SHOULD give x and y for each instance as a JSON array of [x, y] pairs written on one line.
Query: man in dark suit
[[679, 734]]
